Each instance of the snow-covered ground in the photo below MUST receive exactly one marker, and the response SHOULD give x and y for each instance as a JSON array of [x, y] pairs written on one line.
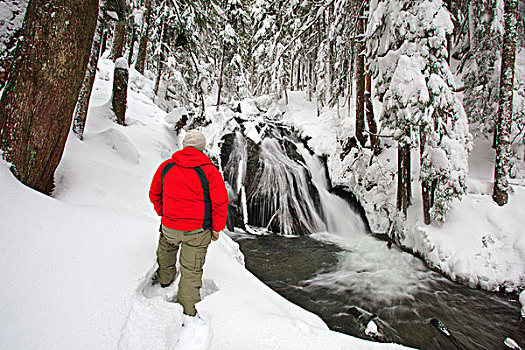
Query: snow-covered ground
[[76, 267]]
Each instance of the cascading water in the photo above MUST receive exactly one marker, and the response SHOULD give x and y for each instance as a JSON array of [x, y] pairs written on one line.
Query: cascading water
[[236, 170], [339, 217], [282, 190], [287, 193]]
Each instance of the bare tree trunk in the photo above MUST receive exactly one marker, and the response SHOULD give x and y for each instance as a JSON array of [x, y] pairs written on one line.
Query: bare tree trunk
[[119, 97], [448, 5], [119, 37], [310, 83], [501, 171], [162, 54], [223, 59], [104, 43], [298, 77], [79, 118], [132, 42], [404, 181], [426, 188], [39, 98], [292, 74], [372, 126], [143, 45], [360, 86]]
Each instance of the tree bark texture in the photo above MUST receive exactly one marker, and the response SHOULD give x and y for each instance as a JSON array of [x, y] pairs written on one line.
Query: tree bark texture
[[404, 181], [79, 119], [161, 55], [502, 166], [372, 126], [132, 42], [119, 36], [39, 98], [360, 87], [120, 93], [426, 190], [104, 43], [221, 72], [143, 45]]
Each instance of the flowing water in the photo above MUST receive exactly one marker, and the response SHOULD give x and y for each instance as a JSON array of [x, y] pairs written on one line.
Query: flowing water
[[346, 284], [349, 277]]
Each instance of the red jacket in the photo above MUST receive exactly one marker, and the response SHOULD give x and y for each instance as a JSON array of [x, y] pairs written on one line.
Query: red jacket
[[180, 197]]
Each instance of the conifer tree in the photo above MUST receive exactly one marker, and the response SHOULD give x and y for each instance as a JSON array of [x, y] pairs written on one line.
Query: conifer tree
[[81, 109], [480, 63], [407, 53]]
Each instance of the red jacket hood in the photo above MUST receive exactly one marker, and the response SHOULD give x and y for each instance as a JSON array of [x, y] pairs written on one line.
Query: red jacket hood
[[190, 157]]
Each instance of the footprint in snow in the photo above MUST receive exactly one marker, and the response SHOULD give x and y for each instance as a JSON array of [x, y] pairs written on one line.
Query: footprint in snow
[[153, 290]]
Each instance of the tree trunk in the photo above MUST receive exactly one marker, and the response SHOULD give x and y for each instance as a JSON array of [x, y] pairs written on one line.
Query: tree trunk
[[372, 126], [143, 45], [292, 76], [360, 86], [404, 183], [119, 38], [79, 118], [448, 5], [508, 56], [104, 45], [426, 188], [401, 193], [39, 98], [161, 56], [120, 90], [221, 72], [132, 42], [298, 76]]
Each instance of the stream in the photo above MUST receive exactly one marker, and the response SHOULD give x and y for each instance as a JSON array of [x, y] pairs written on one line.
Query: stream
[[329, 279]]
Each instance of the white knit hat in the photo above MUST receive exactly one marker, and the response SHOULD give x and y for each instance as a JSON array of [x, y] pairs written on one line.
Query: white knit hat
[[196, 139]]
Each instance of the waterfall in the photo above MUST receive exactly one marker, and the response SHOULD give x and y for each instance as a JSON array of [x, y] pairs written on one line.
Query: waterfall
[[340, 218], [282, 187], [279, 186]]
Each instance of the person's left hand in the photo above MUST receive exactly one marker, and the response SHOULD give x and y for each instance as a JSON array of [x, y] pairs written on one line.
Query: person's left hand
[[214, 235]]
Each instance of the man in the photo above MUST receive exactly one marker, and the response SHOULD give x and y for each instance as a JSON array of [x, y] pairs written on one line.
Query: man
[[189, 193]]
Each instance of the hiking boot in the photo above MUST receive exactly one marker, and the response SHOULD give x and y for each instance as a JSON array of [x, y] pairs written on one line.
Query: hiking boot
[[155, 281]]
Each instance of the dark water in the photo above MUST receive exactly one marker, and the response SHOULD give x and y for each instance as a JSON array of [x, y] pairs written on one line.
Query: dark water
[[346, 285]]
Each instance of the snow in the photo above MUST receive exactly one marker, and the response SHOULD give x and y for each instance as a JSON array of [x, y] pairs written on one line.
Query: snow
[[113, 15], [511, 343], [77, 266], [121, 63], [11, 17], [371, 328]]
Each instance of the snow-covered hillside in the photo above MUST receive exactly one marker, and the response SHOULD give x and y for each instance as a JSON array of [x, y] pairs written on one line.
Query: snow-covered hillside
[[76, 267]]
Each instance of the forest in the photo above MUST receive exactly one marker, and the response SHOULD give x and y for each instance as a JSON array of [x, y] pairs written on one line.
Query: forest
[[411, 113], [332, 50]]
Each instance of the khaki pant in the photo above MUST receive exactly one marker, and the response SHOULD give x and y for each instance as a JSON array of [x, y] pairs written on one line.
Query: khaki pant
[[192, 256]]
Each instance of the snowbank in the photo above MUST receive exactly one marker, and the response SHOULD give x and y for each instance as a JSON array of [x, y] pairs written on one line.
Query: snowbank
[[77, 266]]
